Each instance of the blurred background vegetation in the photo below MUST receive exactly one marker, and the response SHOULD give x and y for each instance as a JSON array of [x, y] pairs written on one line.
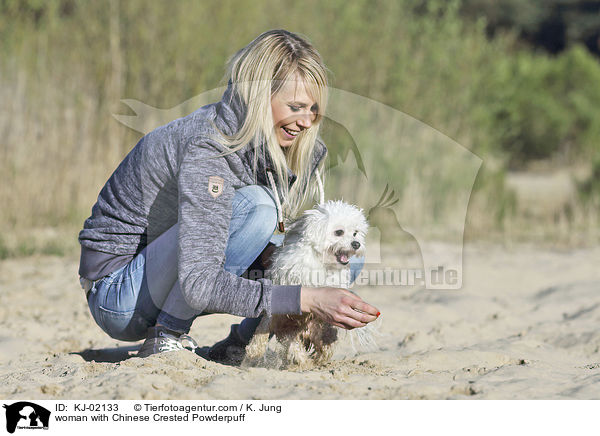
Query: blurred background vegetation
[[517, 83]]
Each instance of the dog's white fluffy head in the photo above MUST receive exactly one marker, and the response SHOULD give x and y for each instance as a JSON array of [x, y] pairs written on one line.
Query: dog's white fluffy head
[[335, 229]]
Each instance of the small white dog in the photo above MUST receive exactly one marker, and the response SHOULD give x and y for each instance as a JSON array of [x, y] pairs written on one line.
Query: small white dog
[[316, 252]]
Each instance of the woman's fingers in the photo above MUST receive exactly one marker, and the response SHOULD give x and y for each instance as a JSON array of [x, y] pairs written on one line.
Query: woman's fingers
[[361, 316], [353, 312], [365, 308], [338, 307], [349, 323], [351, 318], [358, 305]]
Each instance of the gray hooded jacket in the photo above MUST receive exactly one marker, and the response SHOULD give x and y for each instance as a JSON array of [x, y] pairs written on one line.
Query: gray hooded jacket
[[165, 180]]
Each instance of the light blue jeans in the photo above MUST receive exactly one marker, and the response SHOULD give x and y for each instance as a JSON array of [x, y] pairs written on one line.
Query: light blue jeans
[[146, 291]]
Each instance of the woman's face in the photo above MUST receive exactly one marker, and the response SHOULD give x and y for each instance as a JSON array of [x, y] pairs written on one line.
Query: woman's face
[[293, 111]]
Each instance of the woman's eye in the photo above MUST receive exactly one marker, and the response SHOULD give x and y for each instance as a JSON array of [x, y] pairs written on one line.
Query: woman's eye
[[339, 233], [315, 110], [294, 108]]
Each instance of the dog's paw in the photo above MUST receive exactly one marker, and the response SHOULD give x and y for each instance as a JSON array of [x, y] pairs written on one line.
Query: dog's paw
[[255, 350]]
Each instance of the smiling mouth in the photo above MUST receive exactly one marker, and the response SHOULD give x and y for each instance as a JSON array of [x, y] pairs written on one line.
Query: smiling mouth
[[290, 133]]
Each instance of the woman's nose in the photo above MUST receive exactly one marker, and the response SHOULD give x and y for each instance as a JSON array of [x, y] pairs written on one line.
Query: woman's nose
[[305, 121]]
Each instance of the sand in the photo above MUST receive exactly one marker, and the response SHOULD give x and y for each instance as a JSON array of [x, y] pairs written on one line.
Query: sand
[[524, 326]]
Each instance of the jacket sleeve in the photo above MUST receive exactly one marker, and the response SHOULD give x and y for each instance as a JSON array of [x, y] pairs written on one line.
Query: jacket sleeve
[[203, 234]]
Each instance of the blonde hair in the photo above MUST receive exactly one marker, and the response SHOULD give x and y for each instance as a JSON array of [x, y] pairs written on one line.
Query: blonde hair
[[257, 72]]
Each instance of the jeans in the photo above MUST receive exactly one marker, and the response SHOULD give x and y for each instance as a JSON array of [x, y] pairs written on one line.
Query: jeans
[[146, 291]]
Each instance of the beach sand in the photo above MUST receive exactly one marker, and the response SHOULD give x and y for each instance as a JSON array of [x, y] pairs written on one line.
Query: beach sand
[[524, 326]]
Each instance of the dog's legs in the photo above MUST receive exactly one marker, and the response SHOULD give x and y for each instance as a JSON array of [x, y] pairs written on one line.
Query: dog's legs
[[323, 337], [297, 354], [256, 349], [323, 354]]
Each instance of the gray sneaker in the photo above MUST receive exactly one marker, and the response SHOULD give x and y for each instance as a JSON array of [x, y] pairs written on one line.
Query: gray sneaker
[[162, 340]]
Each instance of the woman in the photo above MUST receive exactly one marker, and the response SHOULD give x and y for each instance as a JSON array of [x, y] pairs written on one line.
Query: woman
[[196, 202]]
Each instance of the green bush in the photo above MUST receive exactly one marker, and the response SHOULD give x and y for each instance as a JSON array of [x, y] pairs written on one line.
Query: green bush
[[546, 107]]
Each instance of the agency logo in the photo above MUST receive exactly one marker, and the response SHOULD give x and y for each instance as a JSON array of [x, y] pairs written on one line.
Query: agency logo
[[422, 179], [26, 415]]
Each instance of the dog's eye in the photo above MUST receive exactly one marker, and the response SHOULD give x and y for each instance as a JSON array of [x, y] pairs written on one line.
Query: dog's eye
[[355, 233], [339, 233]]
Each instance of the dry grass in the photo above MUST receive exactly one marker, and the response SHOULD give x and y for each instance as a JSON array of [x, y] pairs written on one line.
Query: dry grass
[[62, 79]]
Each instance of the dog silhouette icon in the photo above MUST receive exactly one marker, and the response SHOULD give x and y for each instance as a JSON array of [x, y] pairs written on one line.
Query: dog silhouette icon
[[27, 414]]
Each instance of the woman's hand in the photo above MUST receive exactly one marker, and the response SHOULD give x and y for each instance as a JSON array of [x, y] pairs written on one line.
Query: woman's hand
[[337, 306]]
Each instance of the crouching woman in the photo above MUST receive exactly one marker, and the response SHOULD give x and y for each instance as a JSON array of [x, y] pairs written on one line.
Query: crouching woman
[[195, 203]]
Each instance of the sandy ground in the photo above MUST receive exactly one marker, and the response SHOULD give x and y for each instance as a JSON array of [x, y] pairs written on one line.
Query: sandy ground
[[524, 326]]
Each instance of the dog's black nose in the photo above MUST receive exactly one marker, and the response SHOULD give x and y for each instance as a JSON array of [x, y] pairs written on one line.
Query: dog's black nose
[[355, 245]]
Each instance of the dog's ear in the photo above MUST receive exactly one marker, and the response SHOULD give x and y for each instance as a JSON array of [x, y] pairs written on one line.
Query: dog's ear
[[314, 227], [297, 229], [361, 220], [294, 231], [356, 216]]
